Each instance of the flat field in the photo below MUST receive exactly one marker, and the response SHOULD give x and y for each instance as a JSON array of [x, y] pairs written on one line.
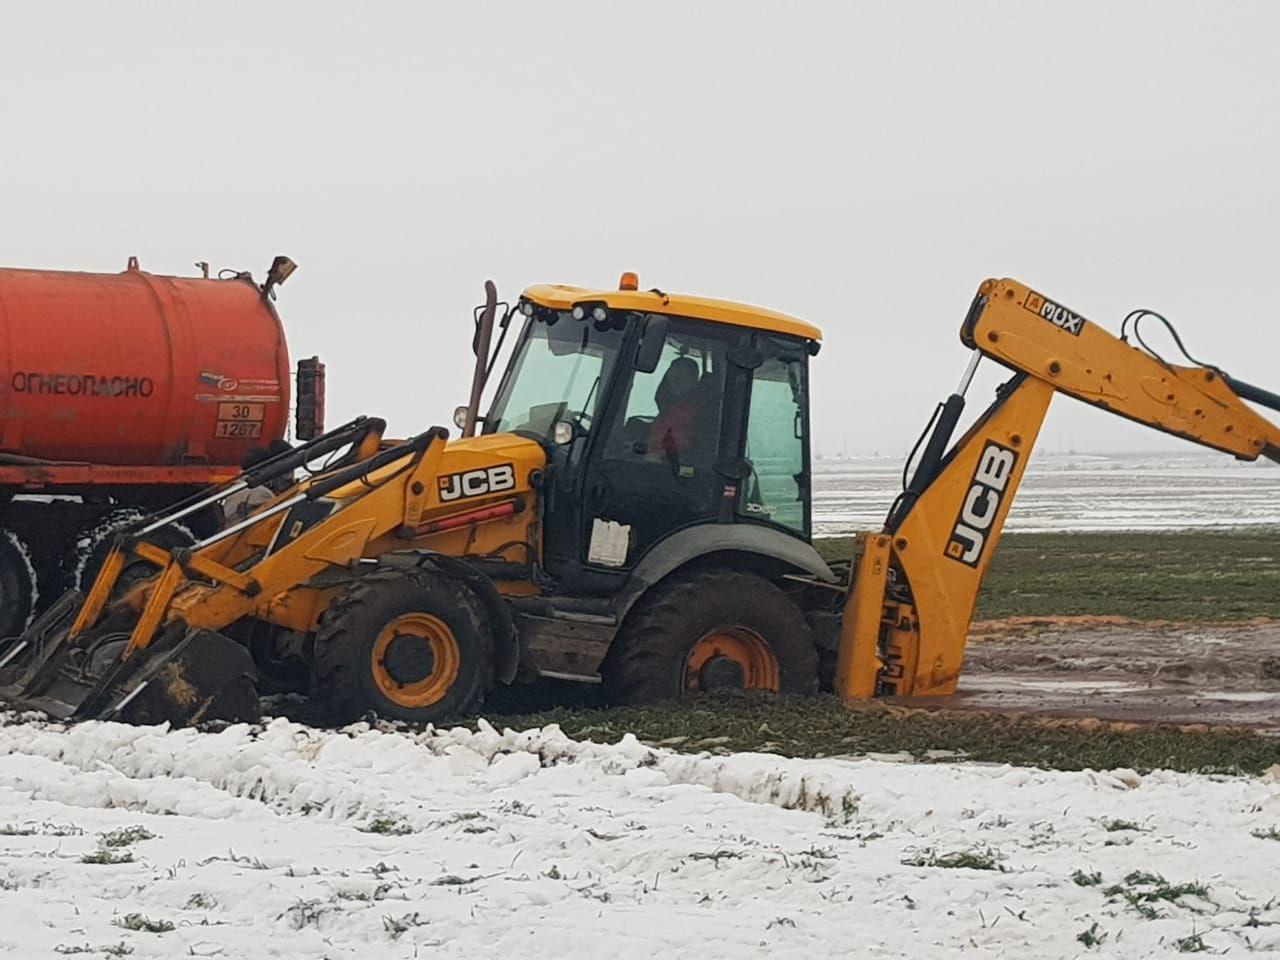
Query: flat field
[[1203, 576]]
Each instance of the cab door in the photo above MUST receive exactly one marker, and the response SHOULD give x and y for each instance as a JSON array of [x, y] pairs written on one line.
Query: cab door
[[654, 469]]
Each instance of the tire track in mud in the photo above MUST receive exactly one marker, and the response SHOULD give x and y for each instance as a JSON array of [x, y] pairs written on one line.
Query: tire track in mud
[[1109, 668]]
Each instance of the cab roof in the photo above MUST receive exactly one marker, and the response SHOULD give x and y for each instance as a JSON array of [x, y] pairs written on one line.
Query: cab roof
[[559, 296]]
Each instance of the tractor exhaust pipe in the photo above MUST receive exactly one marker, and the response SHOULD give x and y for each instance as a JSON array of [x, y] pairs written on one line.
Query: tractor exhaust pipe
[[480, 346]]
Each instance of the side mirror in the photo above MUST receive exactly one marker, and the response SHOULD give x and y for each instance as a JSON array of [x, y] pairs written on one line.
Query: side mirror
[[651, 343]]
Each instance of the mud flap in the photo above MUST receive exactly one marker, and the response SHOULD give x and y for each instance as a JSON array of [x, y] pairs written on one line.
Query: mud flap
[[204, 676]]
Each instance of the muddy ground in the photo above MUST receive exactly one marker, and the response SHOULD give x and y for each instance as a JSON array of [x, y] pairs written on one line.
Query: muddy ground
[[1067, 693], [1129, 671]]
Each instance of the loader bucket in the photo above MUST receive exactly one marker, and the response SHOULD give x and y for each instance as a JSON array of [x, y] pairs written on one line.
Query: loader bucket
[[186, 676]]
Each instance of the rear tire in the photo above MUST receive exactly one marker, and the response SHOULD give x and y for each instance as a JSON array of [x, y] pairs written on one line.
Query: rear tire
[[18, 585], [717, 630], [405, 643]]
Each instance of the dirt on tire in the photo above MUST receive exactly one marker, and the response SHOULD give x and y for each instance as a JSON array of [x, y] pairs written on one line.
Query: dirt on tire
[[341, 685]]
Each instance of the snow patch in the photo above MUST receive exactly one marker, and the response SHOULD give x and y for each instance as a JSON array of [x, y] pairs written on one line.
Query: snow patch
[[285, 841]]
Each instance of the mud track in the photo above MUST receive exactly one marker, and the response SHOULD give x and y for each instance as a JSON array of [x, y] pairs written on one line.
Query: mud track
[[1112, 669]]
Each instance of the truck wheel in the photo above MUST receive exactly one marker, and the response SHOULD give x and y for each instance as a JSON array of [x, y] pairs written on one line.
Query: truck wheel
[[18, 586], [405, 643], [94, 543], [717, 630]]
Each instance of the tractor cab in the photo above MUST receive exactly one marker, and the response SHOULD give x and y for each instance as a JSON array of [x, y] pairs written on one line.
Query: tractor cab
[[659, 413]]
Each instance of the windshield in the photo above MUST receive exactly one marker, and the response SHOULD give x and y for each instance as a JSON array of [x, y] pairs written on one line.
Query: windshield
[[558, 373]]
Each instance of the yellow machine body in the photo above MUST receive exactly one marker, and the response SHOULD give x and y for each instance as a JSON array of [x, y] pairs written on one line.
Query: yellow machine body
[[458, 498], [481, 502]]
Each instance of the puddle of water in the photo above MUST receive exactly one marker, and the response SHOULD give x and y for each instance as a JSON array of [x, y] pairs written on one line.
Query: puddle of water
[[1006, 683]]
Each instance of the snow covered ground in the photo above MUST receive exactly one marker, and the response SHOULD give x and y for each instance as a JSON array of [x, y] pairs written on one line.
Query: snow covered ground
[[1065, 492], [286, 841]]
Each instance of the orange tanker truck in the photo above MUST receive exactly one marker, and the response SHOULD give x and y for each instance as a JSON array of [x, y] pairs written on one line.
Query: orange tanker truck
[[122, 393]]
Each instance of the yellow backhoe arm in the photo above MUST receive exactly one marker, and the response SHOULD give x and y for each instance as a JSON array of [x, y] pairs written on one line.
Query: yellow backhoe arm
[[912, 596]]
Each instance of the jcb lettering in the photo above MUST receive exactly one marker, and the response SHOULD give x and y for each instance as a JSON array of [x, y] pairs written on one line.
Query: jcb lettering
[[966, 544], [477, 483], [980, 518], [994, 467], [981, 504]]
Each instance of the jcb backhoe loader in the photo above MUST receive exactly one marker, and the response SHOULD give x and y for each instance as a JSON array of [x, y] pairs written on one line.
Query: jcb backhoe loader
[[635, 510]]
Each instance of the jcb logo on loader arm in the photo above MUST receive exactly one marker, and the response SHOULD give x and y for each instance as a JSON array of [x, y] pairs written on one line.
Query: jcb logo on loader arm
[[476, 483], [981, 504]]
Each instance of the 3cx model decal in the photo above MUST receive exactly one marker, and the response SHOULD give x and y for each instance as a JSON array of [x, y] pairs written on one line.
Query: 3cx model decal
[[1055, 313], [476, 483], [981, 505]]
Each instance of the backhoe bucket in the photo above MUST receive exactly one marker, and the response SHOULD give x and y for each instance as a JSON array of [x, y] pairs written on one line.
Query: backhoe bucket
[[184, 677]]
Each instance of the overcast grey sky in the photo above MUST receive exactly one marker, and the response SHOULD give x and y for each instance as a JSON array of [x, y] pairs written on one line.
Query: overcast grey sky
[[861, 165]]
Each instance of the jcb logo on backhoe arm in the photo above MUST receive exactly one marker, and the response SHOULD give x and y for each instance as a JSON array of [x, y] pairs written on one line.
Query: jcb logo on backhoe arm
[[981, 504], [476, 483], [1055, 313]]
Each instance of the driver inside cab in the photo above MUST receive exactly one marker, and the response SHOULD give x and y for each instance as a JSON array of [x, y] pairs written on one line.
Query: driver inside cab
[[672, 431]]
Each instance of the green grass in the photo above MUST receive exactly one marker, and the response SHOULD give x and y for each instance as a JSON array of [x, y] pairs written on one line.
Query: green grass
[[1143, 891], [1114, 826], [1092, 937], [1082, 879], [388, 826], [1184, 575], [107, 856], [956, 860], [823, 725], [1192, 944], [125, 837], [138, 923]]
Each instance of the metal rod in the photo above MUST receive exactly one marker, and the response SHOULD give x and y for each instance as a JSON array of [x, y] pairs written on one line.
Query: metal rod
[[969, 371], [13, 653], [1248, 391], [249, 521], [129, 697], [200, 504]]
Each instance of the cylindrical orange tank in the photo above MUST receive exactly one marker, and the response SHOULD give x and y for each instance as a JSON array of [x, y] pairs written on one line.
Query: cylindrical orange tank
[[138, 369]]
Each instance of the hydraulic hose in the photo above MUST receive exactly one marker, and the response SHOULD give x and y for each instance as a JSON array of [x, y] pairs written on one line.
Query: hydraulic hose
[[1247, 391]]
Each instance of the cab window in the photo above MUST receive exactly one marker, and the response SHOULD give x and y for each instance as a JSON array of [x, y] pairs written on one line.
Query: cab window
[[558, 373], [777, 487], [672, 415]]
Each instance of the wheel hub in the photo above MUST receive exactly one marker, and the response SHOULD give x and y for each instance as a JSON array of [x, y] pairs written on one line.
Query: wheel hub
[[731, 658], [722, 673], [416, 660], [408, 659]]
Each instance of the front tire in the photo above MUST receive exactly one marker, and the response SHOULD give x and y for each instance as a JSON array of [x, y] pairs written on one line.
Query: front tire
[[405, 643], [716, 630]]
